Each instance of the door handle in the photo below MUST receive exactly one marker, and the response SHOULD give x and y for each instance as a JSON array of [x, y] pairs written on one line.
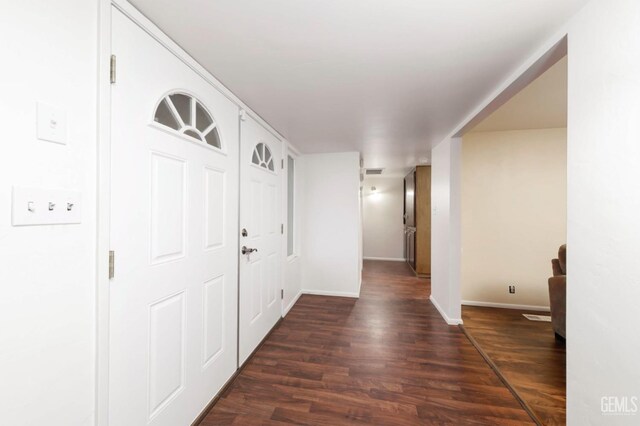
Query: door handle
[[246, 250]]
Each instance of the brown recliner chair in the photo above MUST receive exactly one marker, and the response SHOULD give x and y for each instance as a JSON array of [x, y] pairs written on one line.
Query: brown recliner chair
[[558, 292]]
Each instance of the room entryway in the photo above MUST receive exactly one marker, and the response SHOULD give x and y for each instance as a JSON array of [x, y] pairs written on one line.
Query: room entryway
[[396, 216], [513, 197]]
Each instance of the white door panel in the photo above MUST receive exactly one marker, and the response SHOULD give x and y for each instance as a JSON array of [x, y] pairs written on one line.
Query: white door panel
[[174, 222], [260, 199]]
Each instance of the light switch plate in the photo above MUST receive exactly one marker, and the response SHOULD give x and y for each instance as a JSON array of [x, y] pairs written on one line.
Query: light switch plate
[[52, 123], [40, 206]]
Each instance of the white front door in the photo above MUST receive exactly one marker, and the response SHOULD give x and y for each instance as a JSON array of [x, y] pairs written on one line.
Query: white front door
[[174, 222], [261, 233]]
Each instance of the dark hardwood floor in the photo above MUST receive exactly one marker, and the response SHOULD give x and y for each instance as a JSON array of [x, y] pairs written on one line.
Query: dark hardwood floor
[[387, 358], [528, 356]]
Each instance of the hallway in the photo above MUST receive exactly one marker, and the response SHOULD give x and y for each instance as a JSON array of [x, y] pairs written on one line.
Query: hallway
[[386, 358]]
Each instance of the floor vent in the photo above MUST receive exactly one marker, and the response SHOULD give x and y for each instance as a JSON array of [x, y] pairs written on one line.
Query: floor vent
[[532, 317]]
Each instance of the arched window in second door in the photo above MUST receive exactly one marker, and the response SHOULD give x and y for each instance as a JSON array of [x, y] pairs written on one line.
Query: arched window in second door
[[187, 116], [262, 156]]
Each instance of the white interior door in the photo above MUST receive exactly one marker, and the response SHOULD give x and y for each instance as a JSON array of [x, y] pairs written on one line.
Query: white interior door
[[174, 222], [261, 233]]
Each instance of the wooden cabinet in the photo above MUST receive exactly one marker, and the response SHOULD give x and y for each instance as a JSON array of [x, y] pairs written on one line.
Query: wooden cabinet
[[417, 219]]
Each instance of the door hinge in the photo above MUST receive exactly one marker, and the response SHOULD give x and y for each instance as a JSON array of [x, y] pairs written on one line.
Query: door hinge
[[282, 293], [112, 69], [282, 164], [282, 228], [112, 264]]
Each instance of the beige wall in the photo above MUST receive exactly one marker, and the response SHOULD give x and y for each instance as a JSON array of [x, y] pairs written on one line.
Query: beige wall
[[513, 213], [383, 227]]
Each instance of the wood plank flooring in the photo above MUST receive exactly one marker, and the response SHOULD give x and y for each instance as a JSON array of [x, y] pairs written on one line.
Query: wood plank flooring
[[387, 358], [528, 356]]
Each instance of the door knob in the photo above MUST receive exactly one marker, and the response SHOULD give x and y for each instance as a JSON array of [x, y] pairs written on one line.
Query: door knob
[[246, 250]]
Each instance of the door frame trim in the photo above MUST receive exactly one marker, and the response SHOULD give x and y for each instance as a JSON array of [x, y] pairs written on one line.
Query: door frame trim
[[103, 197], [288, 150]]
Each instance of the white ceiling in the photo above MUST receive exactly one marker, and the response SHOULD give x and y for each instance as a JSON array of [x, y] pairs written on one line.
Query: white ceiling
[[540, 105], [387, 78]]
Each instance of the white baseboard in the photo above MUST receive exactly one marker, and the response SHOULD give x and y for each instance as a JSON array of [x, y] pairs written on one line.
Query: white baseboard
[[293, 302], [391, 259], [506, 306], [450, 321], [331, 293]]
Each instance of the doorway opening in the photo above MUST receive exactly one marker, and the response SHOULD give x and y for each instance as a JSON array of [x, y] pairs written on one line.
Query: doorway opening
[[397, 218], [513, 223]]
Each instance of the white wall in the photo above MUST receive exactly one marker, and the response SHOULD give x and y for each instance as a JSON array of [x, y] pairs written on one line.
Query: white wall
[[514, 214], [47, 315], [331, 224], [383, 226], [603, 281], [445, 229]]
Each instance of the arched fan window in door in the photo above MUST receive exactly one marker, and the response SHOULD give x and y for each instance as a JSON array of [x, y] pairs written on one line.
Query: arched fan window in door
[[187, 116], [262, 156]]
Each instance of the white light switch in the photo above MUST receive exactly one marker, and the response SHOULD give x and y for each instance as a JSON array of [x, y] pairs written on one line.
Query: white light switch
[[39, 206], [52, 123]]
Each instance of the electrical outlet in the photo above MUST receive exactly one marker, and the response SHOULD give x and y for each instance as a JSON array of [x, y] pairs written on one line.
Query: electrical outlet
[[512, 289]]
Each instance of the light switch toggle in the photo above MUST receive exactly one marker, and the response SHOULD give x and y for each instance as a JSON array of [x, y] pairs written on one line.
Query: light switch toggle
[[45, 206]]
